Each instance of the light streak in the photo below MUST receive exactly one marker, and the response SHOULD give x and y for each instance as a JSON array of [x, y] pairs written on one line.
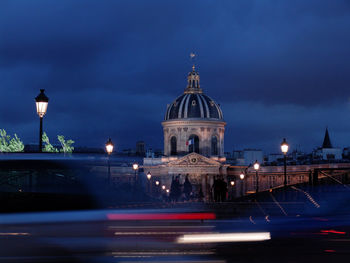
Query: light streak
[[162, 216], [224, 237]]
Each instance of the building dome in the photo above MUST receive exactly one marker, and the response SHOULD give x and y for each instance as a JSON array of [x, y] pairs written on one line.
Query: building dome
[[193, 104], [194, 123]]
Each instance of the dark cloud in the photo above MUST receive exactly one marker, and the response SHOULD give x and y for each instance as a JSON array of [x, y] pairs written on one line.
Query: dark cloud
[[110, 67]]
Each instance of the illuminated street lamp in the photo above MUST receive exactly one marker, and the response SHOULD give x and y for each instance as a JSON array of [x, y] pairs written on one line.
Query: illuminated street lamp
[[109, 150], [232, 183], [256, 168], [135, 166], [163, 187], [242, 178], [284, 149], [109, 146], [41, 102], [149, 175], [157, 182]]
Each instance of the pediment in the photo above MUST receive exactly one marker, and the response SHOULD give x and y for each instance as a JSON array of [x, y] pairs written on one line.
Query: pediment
[[194, 159]]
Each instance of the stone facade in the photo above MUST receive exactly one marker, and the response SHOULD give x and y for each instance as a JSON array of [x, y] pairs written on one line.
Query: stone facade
[[200, 170], [204, 129]]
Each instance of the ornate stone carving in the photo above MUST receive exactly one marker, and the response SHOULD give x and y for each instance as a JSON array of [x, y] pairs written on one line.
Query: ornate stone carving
[[194, 159]]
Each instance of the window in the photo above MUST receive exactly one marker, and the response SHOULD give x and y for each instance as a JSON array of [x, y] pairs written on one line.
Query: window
[[173, 146], [193, 145], [272, 181], [214, 145], [301, 179]]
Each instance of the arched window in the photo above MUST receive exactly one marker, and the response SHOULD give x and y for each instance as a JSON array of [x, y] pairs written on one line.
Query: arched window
[[173, 149], [193, 143], [214, 145]]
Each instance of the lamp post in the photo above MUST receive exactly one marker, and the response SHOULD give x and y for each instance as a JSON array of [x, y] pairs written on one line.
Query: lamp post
[[149, 176], [41, 102], [241, 176], [135, 166], [284, 149], [109, 150], [256, 168], [232, 183]]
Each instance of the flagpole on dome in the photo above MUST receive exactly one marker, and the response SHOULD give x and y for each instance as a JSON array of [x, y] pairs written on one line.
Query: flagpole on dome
[[193, 56]]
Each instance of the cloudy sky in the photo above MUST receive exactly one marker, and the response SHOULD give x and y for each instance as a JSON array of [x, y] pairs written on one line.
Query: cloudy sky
[[277, 68]]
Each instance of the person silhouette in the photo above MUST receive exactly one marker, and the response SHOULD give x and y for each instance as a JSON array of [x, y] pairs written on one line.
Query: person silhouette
[[187, 188]]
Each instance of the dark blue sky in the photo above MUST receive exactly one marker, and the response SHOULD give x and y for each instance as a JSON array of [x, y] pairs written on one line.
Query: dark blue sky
[[278, 68]]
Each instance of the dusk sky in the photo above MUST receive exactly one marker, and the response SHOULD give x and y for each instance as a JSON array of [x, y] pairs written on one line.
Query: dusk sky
[[277, 68]]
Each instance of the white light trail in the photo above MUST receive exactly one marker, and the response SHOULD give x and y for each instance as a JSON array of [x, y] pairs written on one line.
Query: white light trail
[[224, 237]]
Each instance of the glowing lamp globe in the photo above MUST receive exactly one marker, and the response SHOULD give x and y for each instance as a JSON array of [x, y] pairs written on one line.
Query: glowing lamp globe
[[241, 176], [109, 146], [135, 166], [284, 146], [149, 175], [41, 102], [256, 165], [232, 183], [157, 182], [163, 187]]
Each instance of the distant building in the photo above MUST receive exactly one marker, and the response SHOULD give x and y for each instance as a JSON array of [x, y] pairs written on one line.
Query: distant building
[[129, 152], [140, 148], [327, 151], [247, 157], [252, 155], [275, 157]]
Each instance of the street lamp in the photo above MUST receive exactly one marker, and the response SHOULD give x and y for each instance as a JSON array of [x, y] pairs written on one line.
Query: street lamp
[[232, 183], [256, 168], [109, 146], [41, 102], [149, 175], [157, 182], [109, 150], [135, 166], [163, 187], [242, 178], [284, 149]]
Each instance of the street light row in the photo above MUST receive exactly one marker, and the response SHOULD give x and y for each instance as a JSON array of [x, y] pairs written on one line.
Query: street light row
[[256, 166], [42, 101]]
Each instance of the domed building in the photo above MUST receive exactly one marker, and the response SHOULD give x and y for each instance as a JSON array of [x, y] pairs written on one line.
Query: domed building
[[194, 122], [194, 130]]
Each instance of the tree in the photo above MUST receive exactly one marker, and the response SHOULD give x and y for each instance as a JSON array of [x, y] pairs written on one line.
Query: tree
[[66, 145], [48, 146], [8, 144]]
